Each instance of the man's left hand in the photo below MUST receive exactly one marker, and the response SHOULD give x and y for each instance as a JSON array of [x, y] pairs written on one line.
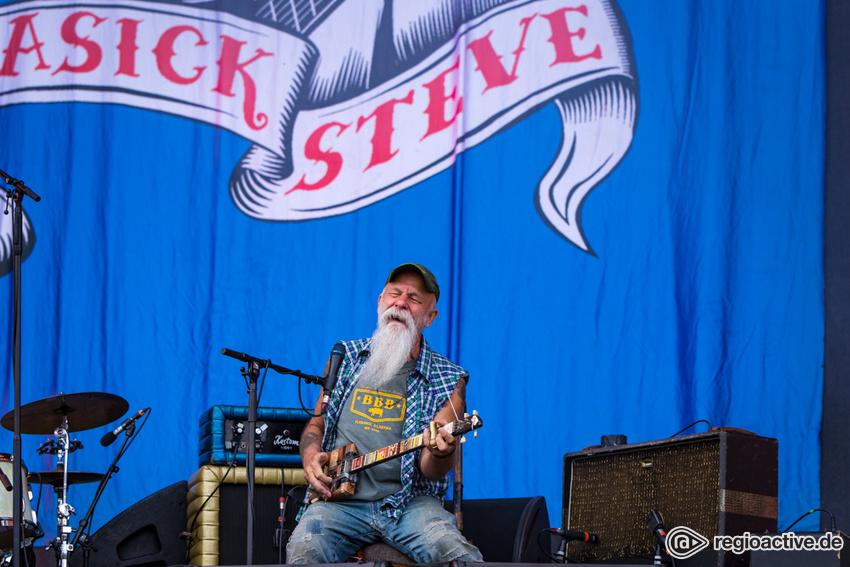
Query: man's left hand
[[443, 445]]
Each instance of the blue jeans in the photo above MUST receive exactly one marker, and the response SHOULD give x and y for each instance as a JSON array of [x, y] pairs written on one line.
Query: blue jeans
[[331, 532]]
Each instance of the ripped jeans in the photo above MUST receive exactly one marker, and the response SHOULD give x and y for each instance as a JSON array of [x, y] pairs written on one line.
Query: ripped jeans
[[331, 532]]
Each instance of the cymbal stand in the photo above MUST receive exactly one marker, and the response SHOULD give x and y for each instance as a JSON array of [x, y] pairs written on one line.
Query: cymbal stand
[[62, 544]]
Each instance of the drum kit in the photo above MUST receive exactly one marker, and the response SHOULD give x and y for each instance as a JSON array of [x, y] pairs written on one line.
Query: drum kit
[[57, 416]]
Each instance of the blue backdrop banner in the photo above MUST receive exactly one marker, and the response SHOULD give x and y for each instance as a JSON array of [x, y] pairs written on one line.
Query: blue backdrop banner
[[622, 203]]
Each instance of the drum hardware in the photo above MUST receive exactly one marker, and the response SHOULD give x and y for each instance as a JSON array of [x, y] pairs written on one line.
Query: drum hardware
[[61, 543], [49, 447], [50, 415], [28, 517], [87, 411], [7, 484], [26, 548], [57, 476]]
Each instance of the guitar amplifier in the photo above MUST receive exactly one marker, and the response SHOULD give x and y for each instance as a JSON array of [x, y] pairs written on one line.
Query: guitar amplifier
[[276, 438], [218, 506], [723, 482]]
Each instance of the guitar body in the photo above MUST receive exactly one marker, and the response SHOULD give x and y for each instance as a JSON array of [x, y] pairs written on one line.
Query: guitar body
[[343, 484], [344, 463]]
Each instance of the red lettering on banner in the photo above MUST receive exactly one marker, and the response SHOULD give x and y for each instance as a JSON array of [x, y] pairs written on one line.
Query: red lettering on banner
[[562, 37], [382, 138], [228, 65], [164, 52], [312, 151], [435, 111], [127, 47], [490, 63], [21, 23], [94, 55]]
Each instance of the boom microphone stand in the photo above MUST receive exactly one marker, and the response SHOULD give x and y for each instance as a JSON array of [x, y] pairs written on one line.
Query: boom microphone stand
[[251, 374], [15, 196]]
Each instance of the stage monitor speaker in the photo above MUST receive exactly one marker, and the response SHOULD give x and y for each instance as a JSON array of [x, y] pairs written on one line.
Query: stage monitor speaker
[[506, 530], [219, 531], [723, 482], [147, 534]]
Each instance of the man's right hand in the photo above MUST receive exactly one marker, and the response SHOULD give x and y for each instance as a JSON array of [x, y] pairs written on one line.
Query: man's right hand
[[314, 473]]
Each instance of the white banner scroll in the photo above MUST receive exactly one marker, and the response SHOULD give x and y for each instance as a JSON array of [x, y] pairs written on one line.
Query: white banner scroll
[[497, 68], [345, 102]]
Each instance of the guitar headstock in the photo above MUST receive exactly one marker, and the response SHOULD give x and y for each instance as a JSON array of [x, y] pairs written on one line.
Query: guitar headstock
[[467, 424]]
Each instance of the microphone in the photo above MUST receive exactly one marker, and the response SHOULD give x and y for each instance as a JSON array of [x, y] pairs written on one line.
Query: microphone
[[239, 355], [578, 536], [655, 523], [107, 439], [337, 354]]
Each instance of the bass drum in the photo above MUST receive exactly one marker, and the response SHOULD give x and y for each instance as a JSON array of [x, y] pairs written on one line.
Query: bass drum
[[7, 512]]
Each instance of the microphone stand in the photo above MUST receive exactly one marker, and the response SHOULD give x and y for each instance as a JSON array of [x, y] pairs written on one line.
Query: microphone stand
[[15, 196], [251, 373], [80, 536]]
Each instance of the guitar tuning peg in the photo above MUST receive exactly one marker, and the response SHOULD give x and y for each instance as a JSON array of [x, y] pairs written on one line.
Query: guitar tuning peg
[[463, 439], [465, 415], [475, 412]]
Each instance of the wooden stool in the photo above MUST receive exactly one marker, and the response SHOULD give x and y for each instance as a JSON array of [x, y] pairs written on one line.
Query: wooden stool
[[377, 552]]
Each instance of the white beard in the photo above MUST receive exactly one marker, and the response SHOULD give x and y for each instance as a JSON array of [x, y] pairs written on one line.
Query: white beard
[[390, 349]]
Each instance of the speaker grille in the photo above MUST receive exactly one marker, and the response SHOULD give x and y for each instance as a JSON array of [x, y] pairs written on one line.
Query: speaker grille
[[668, 479], [717, 483], [219, 528]]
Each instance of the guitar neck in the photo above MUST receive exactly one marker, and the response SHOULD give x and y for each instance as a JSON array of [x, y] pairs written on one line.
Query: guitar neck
[[344, 463], [403, 447]]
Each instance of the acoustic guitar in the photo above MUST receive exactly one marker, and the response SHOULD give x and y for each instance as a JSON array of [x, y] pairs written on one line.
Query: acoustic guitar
[[345, 463]]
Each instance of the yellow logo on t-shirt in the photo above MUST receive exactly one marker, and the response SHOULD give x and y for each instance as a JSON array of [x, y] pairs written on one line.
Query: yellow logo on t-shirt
[[378, 406]]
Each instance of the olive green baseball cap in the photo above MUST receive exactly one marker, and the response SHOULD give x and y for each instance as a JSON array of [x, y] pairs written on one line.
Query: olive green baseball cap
[[430, 280]]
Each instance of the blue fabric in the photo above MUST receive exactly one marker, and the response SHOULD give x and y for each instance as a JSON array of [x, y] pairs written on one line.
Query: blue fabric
[[429, 387], [686, 285]]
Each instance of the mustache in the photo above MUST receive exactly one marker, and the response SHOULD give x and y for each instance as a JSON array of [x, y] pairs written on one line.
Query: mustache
[[395, 314]]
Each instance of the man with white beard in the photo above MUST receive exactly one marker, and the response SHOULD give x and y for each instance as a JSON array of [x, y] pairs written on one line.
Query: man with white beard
[[389, 388]]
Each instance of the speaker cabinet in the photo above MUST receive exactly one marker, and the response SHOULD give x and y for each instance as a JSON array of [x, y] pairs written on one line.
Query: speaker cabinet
[[719, 483], [217, 515], [147, 534], [505, 530]]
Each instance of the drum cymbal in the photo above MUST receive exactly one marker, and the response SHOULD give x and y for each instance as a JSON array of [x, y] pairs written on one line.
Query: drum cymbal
[[56, 477], [85, 411]]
